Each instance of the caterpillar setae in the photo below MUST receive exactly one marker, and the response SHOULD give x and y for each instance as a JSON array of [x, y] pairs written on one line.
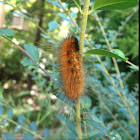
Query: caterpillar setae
[[71, 68]]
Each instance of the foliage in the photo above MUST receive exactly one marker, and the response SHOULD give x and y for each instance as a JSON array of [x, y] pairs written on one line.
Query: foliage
[[31, 111]]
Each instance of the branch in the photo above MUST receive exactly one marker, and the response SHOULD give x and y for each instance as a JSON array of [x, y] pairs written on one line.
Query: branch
[[29, 57]]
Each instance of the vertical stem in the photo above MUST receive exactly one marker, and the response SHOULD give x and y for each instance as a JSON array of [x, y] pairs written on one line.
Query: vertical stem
[[85, 128], [78, 119], [81, 44], [83, 25]]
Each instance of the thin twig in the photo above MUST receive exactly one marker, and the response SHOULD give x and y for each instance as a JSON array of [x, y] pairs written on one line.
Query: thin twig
[[110, 48], [29, 57]]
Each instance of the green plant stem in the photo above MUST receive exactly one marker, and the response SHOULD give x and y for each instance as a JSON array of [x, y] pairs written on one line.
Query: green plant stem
[[81, 44], [110, 48], [78, 119], [85, 128]]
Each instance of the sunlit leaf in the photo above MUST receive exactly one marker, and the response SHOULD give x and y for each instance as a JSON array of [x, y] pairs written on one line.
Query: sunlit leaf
[[114, 4], [104, 53]]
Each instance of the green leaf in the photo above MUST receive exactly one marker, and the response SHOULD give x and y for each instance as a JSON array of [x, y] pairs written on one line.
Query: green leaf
[[105, 53], [21, 119], [52, 25], [66, 121], [27, 62], [8, 32], [23, 15], [10, 113], [86, 102], [32, 51], [7, 3], [119, 52], [7, 136], [33, 126], [99, 126], [55, 3], [1, 32], [1, 110], [114, 4], [27, 137], [45, 36], [134, 68], [46, 133]]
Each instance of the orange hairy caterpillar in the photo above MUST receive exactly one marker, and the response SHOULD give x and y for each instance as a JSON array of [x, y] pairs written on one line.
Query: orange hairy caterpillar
[[71, 69]]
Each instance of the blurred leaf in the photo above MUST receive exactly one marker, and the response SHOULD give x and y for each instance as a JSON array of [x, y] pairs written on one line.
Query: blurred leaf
[[99, 126], [7, 136], [33, 126], [64, 17], [104, 53], [1, 32], [23, 93], [27, 137], [21, 119], [22, 15], [1, 110], [86, 102], [4, 122], [6, 32], [65, 99], [134, 68], [17, 129], [46, 133], [114, 4], [52, 25], [7, 3], [55, 3], [73, 15], [32, 51], [45, 36], [10, 113], [66, 121], [70, 136], [27, 62]]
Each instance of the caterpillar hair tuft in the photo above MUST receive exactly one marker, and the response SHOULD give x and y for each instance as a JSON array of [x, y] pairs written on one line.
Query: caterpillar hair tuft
[[71, 68]]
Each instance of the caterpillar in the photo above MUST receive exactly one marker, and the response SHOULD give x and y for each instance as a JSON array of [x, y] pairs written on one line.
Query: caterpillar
[[71, 68]]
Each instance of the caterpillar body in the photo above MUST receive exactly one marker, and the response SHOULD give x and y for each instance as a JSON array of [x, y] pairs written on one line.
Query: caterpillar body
[[71, 68]]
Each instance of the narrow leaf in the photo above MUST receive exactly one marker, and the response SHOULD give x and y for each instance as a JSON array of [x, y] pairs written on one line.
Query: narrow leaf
[[46, 133], [1, 110], [55, 3], [21, 119], [104, 53], [8, 136], [99, 126], [10, 113], [27, 137], [33, 126], [114, 4]]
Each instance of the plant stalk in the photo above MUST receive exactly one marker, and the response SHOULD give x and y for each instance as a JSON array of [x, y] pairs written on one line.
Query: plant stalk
[[81, 44]]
